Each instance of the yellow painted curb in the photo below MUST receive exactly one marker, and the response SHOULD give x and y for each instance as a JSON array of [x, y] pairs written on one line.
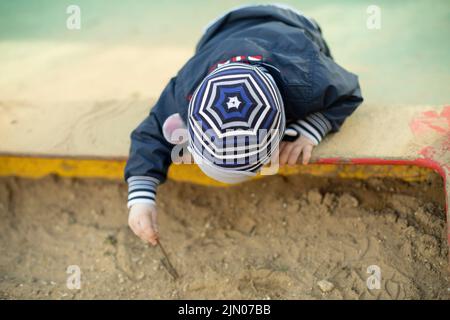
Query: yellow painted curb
[[36, 167]]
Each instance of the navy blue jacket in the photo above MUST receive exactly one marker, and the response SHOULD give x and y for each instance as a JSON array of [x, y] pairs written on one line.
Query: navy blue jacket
[[288, 45]]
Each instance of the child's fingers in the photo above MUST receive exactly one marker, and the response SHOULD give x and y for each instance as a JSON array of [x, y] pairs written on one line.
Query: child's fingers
[[293, 156], [147, 232], [307, 150], [155, 222], [149, 235], [285, 154], [133, 222], [281, 147], [142, 233], [141, 219]]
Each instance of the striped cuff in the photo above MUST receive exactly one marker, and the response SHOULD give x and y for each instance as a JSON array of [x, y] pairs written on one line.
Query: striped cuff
[[141, 189], [315, 126]]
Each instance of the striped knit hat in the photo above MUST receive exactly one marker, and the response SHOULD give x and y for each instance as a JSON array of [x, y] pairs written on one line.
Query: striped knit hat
[[236, 120]]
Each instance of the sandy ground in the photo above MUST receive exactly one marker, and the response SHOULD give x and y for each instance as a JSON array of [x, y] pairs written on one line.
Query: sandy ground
[[270, 239]]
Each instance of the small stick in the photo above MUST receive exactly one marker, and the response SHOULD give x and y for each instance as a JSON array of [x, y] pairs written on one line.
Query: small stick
[[166, 262]]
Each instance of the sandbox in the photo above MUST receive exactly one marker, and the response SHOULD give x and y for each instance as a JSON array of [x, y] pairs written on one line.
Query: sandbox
[[279, 242], [368, 201]]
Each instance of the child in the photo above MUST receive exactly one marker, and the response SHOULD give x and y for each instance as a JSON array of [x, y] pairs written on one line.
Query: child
[[262, 80]]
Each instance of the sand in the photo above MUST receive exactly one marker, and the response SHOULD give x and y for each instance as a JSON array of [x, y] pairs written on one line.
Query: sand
[[293, 237]]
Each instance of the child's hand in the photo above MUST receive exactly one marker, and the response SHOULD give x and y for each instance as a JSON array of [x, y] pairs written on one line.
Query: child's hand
[[142, 220], [290, 151]]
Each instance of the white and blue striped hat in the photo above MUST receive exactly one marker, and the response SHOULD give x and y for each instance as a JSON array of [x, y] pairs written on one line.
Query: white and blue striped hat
[[236, 120]]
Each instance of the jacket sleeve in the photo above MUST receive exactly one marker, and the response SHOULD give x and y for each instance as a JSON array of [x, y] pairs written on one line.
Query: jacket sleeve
[[336, 92], [150, 153], [315, 126]]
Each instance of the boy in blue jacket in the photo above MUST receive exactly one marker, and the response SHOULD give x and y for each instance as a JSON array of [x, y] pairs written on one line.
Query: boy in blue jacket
[[261, 82]]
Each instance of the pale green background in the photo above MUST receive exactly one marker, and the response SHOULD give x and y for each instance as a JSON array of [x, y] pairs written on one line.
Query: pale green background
[[406, 62]]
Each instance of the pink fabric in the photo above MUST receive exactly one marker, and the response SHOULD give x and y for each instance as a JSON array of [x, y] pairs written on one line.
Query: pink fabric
[[174, 129]]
